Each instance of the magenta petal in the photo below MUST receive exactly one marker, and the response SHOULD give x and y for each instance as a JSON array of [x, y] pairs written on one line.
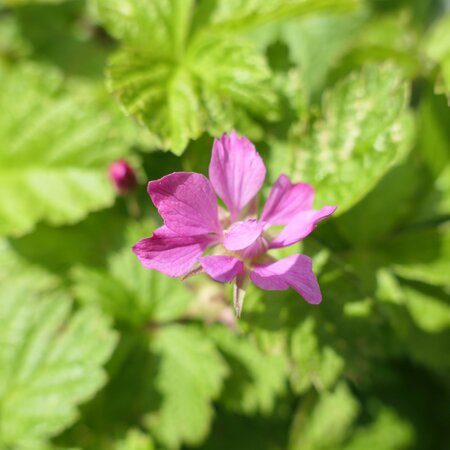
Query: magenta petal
[[286, 200], [170, 253], [222, 268], [294, 271], [187, 203], [300, 226], [243, 234], [236, 171]]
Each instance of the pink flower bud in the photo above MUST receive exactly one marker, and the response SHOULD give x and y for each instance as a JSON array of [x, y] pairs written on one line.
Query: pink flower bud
[[122, 177]]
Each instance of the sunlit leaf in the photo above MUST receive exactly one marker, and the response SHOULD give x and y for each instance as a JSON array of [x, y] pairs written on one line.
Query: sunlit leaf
[[135, 440], [434, 132], [26, 2], [314, 366], [388, 432], [49, 361], [220, 81], [437, 47], [237, 15], [429, 308], [190, 377], [180, 75], [316, 43], [256, 377], [128, 291], [363, 130], [373, 218], [422, 254], [55, 149], [334, 412]]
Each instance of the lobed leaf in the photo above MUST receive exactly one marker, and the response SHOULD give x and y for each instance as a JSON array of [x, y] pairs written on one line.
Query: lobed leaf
[[219, 82], [127, 291], [316, 43], [437, 48], [237, 15], [334, 412], [421, 254], [18, 3], [429, 308], [363, 130], [55, 152], [181, 76], [388, 431], [190, 377], [313, 366], [49, 362], [373, 218], [135, 440], [257, 377]]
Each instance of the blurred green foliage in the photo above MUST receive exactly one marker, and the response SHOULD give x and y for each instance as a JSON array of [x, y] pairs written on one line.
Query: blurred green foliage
[[97, 353]]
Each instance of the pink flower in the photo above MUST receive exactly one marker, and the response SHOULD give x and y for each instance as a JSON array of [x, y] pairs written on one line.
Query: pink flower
[[122, 177], [237, 239]]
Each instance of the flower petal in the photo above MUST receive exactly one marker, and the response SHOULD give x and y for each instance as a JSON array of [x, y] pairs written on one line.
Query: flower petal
[[295, 271], [300, 226], [187, 203], [243, 234], [286, 200], [170, 253], [222, 268], [236, 171]]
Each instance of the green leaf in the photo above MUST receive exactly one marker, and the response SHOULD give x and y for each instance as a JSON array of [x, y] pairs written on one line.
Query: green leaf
[[387, 432], [55, 152], [437, 48], [314, 366], [256, 378], [135, 440], [58, 249], [363, 130], [386, 37], [15, 3], [422, 339], [191, 375], [180, 84], [52, 33], [49, 361], [158, 24], [219, 82], [420, 254], [434, 134], [159, 95], [128, 291], [44, 446], [316, 43], [325, 424], [373, 218], [181, 76], [238, 15], [429, 308]]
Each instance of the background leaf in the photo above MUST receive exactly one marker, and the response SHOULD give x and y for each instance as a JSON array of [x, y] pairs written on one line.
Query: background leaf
[[338, 409], [218, 82], [363, 130], [135, 440], [348, 95], [51, 168], [241, 14], [190, 377], [256, 377], [127, 292], [48, 363]]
